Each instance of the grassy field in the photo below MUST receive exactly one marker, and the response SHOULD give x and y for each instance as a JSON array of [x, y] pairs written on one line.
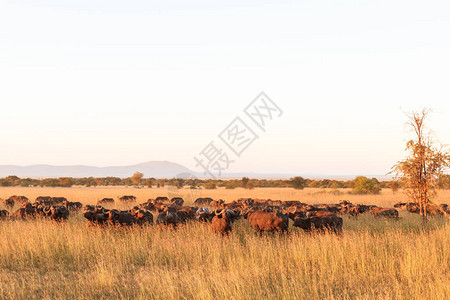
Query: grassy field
[[372, 259]]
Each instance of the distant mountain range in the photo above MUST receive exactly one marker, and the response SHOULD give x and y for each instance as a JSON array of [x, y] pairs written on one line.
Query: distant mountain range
[[156, 169]]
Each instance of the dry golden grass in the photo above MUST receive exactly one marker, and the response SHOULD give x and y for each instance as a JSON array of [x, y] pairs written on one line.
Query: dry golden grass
[[372, 259], [309, 195]]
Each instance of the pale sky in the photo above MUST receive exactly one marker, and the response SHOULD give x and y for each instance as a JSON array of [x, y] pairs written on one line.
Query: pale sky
[[122, 82]]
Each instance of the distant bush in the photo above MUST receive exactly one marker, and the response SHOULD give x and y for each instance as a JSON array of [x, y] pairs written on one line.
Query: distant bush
[[394, 185], [50, 182], [298, 183], [65, 181], [249, 185], [364, 185], [230, 186], [245, 182], [4, 182], [210, 186]]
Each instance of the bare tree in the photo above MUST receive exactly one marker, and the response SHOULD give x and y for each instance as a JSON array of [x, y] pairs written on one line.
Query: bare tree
[[423, 166]]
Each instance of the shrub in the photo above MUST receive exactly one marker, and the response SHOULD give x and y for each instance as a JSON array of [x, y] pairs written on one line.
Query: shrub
[[298, 182], [364, 185], [210, 186]]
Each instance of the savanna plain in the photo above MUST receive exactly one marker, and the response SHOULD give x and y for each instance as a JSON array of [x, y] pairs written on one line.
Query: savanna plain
[[373, 258]]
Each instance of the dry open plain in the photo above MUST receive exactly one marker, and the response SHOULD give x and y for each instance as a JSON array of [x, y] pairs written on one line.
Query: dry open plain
[[371, 259]]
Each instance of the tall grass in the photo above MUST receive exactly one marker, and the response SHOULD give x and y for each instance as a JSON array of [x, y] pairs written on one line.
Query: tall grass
[[371, 259]]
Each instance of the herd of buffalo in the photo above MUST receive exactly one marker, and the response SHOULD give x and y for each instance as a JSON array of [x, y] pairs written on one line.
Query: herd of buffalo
[[263, 215]]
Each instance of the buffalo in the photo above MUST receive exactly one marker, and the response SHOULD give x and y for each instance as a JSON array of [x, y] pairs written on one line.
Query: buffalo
[[162, 199], [355, 210], [58, 200], [177, 200], [221, 222], [199, 202], [116, 217], [105, 201], [127, 198], [25, 211], [148, 206], [384, 212], [73, 206], [20, 199], [96, 218], [188, 212], [321, 223], [96, 214], [267, 221], [56, 212], [142, 216], [217, 203], [4, 214], [168, 216], [9, 203], [47, 200], [204, 215]]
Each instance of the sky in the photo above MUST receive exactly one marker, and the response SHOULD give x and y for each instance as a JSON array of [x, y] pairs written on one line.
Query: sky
[[123, 82]]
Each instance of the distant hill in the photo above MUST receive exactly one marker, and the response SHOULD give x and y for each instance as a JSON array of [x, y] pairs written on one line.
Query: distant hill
[[157, 169]]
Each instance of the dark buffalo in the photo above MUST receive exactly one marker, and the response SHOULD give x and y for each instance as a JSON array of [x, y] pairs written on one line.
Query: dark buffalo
[[293, 213], [168, 216], [9, 203], [58, 200], [319, 213], [202, 202], [321, 223], [401, 205], [19, 199], [384, 212], [162, 199], [47, 200], [4, 214], [116, 217], [40, 209], [345, 202], [204, 215], [96, 214], [96, 218], [190, 211], [245, 201], [290, 203], [267, 221], [217, 203], [127, 198], [177, 201], [142, 216], [56, 212], [27, 210], [105, 201], [148, 206], [73, 206], [183, 216], [354, 210]]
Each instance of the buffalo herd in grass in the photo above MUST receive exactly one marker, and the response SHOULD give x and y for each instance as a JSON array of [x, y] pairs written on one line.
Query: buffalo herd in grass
[[262, 215]]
